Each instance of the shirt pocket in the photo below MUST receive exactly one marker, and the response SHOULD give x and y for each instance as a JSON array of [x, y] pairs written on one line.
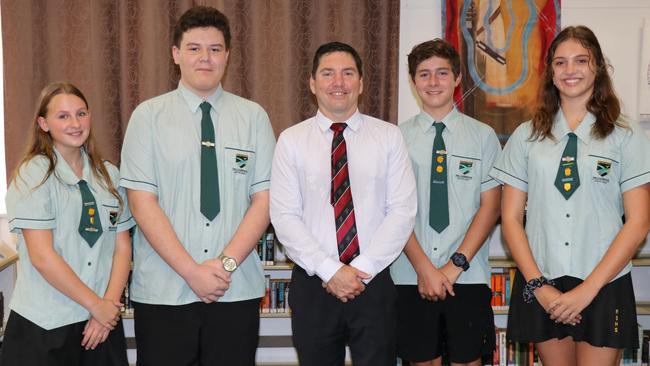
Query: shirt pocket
[[239, 166], [464, 169], [603, 171], [110, 213]]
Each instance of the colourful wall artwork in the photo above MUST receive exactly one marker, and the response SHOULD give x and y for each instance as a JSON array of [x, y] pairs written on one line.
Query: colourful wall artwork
[[502, 44]]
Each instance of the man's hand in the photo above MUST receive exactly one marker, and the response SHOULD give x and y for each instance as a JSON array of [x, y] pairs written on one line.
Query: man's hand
[[209, 280], [433, 285], [346, 284]]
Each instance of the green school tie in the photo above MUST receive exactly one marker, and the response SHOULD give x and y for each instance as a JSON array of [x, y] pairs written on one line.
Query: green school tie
[[438, 201], [209, 174], [567, 179], [90, 226]]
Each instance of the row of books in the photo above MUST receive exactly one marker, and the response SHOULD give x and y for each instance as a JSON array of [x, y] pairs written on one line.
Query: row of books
[[270, 250], [509, 353], [276, 297], [501, 285]]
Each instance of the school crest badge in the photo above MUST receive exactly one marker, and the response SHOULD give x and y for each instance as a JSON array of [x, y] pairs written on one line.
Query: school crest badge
[[602, 167], [465, 167], [112, 217], [241, 160]]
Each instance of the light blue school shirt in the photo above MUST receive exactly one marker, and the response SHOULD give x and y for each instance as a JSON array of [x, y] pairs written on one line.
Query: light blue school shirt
[[570, 237], [469, 143], [56, 205], [162, 155]]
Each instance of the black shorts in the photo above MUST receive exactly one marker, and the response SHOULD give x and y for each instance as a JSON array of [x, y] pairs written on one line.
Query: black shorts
[[219, 333], [609, 321], [461, 326], [27, 344]]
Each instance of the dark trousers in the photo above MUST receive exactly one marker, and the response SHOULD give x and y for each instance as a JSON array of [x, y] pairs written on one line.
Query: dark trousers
[[27, 344], [197, 334], [322, 325]]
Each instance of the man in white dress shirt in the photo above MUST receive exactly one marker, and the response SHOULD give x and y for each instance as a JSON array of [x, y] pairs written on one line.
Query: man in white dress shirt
[[343, 203]]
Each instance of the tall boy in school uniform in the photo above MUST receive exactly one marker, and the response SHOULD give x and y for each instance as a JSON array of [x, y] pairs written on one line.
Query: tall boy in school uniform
[[443, 274], [196, 163]]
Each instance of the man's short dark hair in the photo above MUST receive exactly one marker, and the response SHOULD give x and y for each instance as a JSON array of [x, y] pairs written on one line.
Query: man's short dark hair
[[335, 47], [434, 48], [202, 17]]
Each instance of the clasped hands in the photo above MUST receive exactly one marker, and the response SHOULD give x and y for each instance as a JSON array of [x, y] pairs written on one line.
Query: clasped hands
[[209, 280], [435, 283], [347, 283], [565, 307], [105, 314]]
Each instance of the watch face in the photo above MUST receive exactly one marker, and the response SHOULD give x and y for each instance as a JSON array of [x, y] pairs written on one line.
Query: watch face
[[229, 264], [459, 260]]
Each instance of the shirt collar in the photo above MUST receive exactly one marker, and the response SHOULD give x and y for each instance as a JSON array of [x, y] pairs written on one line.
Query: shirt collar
[[66, 175], [324, 123], [561, 127], [194, 101], [425, 121]]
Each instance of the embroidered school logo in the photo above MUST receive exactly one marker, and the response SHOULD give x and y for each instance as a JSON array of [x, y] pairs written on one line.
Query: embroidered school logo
[[465, 167], [112, 217], [602, 167], [241, 160]]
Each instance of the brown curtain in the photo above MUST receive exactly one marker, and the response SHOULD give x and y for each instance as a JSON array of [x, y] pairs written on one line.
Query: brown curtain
[[119, 54]]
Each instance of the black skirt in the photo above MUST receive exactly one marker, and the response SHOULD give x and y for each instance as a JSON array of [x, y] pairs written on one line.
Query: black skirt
[[609, 321]]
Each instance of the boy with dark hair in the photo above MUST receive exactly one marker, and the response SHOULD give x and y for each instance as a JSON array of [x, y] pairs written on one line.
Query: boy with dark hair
[[196, 163], [443, 275]]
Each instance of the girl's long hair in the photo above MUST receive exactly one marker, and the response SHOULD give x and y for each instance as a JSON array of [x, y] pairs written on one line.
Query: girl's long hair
[[41, 143], [603, 102]]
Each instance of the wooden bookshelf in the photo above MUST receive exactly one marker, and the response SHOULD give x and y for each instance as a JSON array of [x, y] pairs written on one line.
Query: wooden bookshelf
[[275, 315], [278, 266], [8, 256]]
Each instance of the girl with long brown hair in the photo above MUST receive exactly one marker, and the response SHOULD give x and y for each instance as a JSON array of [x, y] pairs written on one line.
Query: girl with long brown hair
[[74, 246], [574, 171]]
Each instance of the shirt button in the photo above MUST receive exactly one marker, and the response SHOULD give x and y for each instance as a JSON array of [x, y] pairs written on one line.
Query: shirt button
[[207, 224], [568, 215], [89, 263], [435, 248], [205, 250], [566, 243]]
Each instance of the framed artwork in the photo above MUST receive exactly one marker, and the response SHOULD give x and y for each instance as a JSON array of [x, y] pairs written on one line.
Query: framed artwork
[[502, 45]]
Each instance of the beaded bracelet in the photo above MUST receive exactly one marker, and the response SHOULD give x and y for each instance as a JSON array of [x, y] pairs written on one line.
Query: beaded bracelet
[[532, 285]]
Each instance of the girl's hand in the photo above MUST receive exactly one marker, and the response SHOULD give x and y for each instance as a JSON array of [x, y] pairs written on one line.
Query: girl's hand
[[567, 307], [545, 295], [106, 313], [94, 334]]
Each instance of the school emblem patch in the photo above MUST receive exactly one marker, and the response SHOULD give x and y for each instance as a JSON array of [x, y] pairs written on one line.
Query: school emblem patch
[[241, 160], [465, 167], [602, 167], [112, 217]]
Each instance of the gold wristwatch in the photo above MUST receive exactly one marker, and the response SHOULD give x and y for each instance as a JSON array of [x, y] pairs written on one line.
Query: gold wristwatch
[[229, 263]]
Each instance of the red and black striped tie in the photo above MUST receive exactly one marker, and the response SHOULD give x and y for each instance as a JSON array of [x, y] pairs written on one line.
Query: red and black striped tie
[[341, 198]]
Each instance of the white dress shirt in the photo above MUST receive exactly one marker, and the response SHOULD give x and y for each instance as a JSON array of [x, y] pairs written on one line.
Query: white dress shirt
[[383, 191]]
